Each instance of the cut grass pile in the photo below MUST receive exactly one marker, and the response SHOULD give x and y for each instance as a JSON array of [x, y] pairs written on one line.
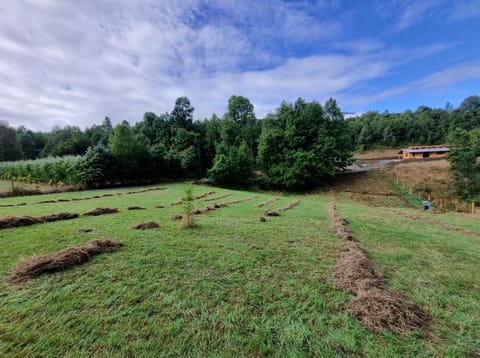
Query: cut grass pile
[[231, 286], [101, 211], [35, 266], [147, 226], [375, 307], [18, 221]]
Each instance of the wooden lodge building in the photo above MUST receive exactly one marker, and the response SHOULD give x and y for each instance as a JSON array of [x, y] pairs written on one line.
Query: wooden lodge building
[[426, 151]]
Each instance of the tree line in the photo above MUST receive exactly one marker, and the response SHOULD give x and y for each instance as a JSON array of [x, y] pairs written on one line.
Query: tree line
[[298, 146]]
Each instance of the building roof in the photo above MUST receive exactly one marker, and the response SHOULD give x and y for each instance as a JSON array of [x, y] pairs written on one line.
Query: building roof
[[425, 150]]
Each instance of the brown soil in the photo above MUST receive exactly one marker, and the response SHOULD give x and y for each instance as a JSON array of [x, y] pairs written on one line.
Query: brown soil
[[101, 211], [270, 201], [135, 208], [146, 226], [59, 261], [375, 307], [381, 308]]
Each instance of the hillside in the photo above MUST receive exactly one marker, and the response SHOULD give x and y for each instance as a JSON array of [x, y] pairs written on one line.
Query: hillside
[[234, 285]]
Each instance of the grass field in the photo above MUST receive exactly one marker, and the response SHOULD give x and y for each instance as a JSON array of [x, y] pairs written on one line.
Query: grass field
[[231, 286]]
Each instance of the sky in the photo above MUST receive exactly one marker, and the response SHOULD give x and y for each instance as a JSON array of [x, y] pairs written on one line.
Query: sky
[[70, 62]]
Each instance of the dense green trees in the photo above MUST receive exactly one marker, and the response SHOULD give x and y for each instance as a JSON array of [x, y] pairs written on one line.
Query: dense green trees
[[465, 161], [302, 145]]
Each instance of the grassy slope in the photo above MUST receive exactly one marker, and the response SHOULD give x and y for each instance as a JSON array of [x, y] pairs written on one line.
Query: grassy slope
[[231, 286]]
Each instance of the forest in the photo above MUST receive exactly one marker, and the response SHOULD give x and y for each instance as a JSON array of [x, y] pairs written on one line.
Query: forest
[[298, 146]]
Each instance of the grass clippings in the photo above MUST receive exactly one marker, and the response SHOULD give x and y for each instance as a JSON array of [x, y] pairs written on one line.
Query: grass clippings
[[379, 308], [201, 196], [262, 219], [375, 307], [59, 261], [271, 213], [135, 208], [147, 226], [290, 205], [101, 211], [218, 197], [59, 216], [176, 217], [18, 221], [159, 206], [263, 203]]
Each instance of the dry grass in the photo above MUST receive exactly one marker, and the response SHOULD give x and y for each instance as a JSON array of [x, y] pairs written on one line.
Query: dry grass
[[101, 211], [17, 221], [377, 154], [147, 226], [426, 176], [375, 307], [59, 261]]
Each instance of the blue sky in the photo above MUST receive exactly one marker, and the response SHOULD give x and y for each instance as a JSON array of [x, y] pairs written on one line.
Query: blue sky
[[75, 62]]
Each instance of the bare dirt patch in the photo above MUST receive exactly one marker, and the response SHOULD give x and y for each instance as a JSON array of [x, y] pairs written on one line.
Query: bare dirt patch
[[375, 307], [147, 226], [60, 261], [101, 211]]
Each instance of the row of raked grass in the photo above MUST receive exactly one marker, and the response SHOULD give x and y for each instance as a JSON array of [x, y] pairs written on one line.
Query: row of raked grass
[[232, 286]]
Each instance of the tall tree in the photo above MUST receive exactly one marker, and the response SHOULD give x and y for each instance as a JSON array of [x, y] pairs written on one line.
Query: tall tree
[[182, 113], [465, 161]]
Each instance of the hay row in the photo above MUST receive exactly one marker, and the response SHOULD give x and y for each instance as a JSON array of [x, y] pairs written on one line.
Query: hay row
[[290, 205], [18, 221], [217, 197], [374, 306], [263, 203], [201, 196], [84, 198], [213, 207], [60, 261], [135, 208], [442, 224], [366, 192], [101, 211]]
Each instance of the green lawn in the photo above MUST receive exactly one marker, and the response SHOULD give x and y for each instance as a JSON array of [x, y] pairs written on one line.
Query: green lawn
[[232, 286]]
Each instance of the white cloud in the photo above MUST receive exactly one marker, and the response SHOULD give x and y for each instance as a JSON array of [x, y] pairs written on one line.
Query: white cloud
[[76, 62]]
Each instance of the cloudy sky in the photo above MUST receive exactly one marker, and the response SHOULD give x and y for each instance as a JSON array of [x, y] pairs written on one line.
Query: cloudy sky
[[73, 62]]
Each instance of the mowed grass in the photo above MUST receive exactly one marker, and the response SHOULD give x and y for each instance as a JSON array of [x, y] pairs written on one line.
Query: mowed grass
[[232, 286]]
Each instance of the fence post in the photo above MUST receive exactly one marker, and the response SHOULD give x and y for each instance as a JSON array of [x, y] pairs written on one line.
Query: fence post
[[473, 207]]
